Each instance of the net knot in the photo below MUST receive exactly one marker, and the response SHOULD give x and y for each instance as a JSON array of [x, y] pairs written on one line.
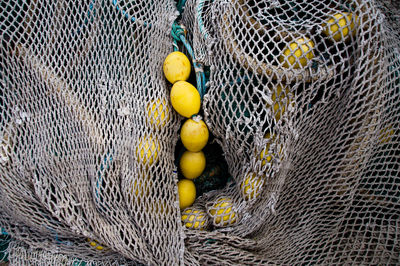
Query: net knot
[[177, 31]]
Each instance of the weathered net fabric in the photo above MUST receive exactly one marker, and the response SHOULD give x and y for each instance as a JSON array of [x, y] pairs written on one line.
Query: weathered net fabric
[[330, 128], [87, 132], [22, 254]]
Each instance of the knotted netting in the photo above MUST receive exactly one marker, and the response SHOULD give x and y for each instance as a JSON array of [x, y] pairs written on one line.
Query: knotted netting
[[304, 99], [87, 132], [302, 96]]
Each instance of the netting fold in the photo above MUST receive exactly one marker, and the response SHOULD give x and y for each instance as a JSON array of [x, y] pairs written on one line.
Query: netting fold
[[302, 96]]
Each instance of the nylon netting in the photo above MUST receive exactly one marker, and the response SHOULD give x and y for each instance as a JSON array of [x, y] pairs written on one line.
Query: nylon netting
[[22, 254], [302, 96], [82, 153]]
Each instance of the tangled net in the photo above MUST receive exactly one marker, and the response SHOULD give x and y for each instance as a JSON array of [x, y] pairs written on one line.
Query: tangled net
[[303, 97]]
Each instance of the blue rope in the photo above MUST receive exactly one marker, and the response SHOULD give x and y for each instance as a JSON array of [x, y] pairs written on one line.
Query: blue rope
[[178, 33]]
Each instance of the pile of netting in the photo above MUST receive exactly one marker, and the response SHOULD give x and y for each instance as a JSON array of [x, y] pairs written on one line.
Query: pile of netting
[[303, 97]]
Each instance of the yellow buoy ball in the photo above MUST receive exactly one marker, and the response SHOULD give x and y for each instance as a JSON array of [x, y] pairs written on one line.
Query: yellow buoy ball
[[157, 112], [185, 99], [147, 151], [95, 245], [222, 212], [194, 219], [339, 26], [194, 135], [281, 99], [176, 67], [266, 155], [187, 193], [251, 186], [192, 164], [298, 53]]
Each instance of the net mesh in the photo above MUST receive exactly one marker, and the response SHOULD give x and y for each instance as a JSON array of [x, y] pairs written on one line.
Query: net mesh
[[303, 97], [82, 156], [22, 254]]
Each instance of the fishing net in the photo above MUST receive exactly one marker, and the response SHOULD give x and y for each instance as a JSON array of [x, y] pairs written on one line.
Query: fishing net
[[302, 96], [86, 152], [22, 254], [305, 104]]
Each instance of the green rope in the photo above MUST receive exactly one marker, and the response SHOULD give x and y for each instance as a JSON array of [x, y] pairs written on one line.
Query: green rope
[[181, 5], [177, 31]]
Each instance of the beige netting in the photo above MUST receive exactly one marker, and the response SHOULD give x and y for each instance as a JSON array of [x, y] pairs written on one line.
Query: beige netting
[[321, 131], [22, 254], [81, 155], [303, 96]]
